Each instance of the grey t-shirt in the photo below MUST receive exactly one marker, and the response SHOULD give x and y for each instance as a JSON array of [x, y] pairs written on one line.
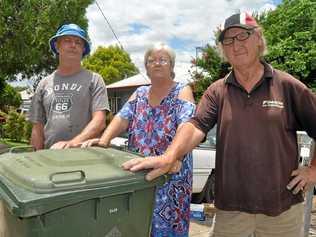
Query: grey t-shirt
[[64, 104]]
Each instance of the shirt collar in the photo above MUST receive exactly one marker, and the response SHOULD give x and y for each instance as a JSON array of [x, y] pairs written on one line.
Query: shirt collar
[[267, 74]]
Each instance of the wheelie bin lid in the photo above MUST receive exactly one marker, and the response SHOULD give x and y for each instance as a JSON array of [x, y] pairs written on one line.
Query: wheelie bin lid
[[33, 183]]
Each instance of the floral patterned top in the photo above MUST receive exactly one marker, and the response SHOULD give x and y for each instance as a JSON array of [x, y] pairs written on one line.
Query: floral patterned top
[[150, 131]]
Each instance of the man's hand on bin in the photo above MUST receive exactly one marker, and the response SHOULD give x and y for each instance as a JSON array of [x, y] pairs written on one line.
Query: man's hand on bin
[[94, 142], [65, 145], [159, 164]]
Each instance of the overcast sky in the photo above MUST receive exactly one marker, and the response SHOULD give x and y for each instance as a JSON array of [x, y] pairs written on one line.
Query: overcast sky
[[183, 24]]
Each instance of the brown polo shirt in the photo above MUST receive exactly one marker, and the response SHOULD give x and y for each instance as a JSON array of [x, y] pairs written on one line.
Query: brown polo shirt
[[256, 147]]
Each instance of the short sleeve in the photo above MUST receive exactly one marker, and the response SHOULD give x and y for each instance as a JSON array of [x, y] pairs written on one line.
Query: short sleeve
[[206, 113], [99, 94], [127, 110], [37, 111], [304, 103], [185, 112]]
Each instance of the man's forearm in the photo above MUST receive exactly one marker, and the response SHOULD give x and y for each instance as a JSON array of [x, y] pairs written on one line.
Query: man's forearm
[[93, 129], [186, 139], [37, 143], [37, 137], [117, 126]]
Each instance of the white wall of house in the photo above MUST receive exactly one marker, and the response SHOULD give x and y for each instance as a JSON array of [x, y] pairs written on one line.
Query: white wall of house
[[26, 96]]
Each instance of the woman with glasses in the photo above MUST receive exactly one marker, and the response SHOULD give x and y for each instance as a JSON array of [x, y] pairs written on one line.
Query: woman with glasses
[[152, 116]]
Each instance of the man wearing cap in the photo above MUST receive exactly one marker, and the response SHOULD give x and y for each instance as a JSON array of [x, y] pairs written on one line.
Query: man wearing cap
[[69, 105], [257, 109]]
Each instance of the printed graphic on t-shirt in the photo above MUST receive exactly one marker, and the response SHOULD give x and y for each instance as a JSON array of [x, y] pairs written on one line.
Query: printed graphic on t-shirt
[[67, 87], [62, 103], [273, 103]]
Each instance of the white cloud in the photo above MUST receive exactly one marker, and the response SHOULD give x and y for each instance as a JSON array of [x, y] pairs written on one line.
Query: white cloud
[[191, 21], [267, 7]]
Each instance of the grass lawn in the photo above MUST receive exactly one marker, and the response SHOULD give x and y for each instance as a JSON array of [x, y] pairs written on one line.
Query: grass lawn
[[18, 146], [12, 143]]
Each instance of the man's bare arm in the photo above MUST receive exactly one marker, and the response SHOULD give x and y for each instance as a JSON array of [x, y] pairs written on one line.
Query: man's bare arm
[[304, 177], [93, 129], [187, 137], [37, 137]]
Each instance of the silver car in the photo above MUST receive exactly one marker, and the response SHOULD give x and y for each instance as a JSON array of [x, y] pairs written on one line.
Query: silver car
[[204, 169]]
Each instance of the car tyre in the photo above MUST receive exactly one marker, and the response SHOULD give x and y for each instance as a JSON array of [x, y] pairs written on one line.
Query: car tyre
[[209, 196], [197, 198]]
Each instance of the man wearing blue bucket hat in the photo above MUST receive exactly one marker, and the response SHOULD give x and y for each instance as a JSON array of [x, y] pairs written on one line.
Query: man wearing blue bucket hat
[[70, 30], [69, 105]]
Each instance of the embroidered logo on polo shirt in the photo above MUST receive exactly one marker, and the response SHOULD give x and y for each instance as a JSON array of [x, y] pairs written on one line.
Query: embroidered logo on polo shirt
[[273, 104]]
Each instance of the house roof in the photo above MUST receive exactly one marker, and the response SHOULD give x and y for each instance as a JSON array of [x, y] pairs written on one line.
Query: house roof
[[141, 80], [137, 80]]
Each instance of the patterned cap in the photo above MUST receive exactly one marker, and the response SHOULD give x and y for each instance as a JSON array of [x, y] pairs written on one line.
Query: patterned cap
[[241, 20]]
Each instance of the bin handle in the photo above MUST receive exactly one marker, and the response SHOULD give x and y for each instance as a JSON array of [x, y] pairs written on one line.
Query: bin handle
[[67, 178]]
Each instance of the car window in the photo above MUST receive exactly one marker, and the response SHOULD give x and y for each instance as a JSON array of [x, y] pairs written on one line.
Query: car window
[[210, 139]]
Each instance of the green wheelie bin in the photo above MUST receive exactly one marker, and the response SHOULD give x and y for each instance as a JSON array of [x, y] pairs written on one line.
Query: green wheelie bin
[[74, 193]]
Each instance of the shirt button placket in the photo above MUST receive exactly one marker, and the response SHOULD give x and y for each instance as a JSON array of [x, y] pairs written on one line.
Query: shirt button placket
[[248, 100]]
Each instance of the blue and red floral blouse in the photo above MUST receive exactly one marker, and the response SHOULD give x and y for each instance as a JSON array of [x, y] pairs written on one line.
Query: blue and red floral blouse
[[150, 131]]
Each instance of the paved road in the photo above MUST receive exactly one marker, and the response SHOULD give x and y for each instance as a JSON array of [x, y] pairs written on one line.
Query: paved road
[[201, 228]]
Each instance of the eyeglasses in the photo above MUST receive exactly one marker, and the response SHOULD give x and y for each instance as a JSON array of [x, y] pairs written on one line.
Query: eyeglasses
[[240, 37], [160, 61]]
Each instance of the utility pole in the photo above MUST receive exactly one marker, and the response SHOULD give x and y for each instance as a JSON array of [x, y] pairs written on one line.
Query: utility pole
[[198, 51]]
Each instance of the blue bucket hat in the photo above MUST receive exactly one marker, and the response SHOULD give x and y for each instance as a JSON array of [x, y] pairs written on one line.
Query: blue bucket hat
[[70, 29]]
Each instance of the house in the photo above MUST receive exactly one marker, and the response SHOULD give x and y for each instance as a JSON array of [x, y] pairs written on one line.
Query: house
[[26, 96], [120, 91]]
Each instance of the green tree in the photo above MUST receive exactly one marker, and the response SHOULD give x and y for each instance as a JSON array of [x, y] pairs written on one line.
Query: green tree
[[9, 97], [112, 63], [290, 31], [3, 117], [25, 28], [14, 127], [209, 67]]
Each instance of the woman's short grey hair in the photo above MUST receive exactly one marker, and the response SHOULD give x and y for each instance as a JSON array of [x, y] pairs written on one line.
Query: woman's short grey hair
[[162, 46], [262, 49]]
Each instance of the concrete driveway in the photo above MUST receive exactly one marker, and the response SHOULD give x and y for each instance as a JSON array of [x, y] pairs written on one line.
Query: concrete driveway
[[203, 228]]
